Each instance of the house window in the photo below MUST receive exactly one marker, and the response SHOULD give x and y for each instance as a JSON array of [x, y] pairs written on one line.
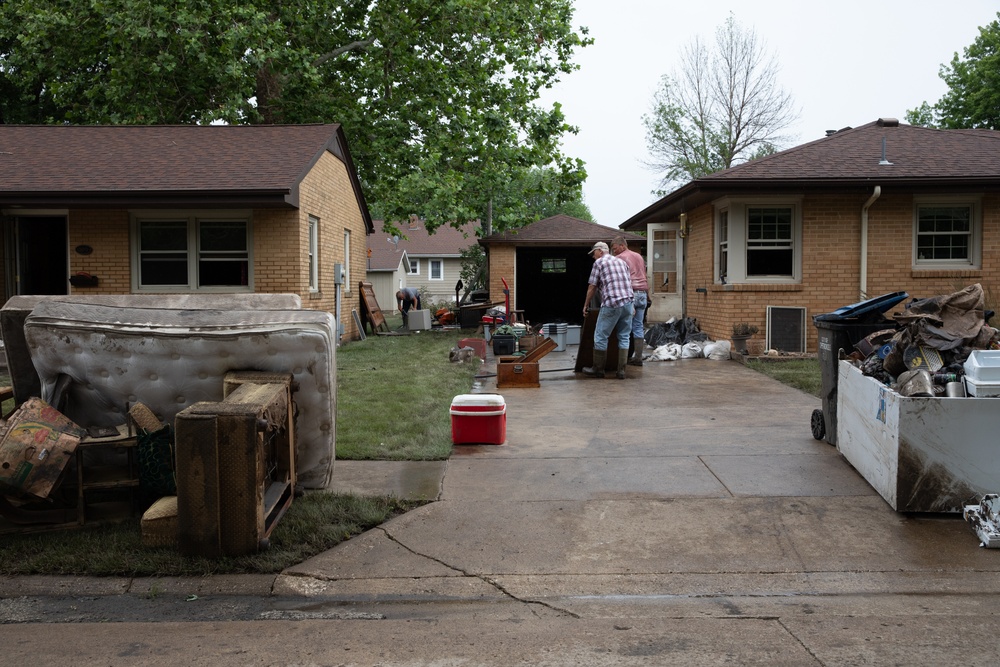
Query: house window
[[946, 233], [770, 248], [555, 265], [414, 267], [192, 252], [313, 254], [347, 260], [758, 240], [723, 245], [437, 269]]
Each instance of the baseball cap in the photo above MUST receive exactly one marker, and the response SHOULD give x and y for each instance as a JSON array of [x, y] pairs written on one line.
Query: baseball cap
[[600, 245]]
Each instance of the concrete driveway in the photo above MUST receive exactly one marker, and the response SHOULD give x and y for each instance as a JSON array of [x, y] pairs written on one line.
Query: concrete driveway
[[683, 516]]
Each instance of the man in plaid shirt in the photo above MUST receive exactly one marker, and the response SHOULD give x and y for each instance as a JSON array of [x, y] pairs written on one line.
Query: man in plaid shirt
[[611, 276]]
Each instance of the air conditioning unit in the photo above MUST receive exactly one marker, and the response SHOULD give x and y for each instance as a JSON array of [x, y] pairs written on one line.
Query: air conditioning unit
[[786, 328]]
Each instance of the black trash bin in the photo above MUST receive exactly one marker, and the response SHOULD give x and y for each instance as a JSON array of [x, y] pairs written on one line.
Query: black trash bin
[[842, 330]]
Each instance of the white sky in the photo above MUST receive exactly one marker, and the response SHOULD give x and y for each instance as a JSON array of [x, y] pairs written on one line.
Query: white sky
[[844, 63]]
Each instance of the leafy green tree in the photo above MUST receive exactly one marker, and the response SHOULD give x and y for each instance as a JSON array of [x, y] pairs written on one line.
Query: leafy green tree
[[439, 98], [722, 107], [973, 96]]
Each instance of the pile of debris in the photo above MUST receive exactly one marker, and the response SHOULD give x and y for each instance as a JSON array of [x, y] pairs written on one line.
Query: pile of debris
[[928, 353], [683, 339]]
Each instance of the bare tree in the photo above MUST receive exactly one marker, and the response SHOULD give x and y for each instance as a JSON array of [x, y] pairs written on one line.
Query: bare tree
[[720, 108]]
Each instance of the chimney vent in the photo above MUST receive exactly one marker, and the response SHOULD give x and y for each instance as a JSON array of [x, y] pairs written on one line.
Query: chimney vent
[[888, 122]]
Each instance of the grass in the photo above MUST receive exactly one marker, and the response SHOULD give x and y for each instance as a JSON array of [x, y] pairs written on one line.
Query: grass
[[394, 394], [802, 374]]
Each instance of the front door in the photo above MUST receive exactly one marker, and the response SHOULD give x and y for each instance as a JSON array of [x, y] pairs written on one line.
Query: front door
[[666, 271], [36, 255]]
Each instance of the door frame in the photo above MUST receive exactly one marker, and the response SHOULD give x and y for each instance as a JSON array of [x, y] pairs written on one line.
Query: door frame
[[666, 305]]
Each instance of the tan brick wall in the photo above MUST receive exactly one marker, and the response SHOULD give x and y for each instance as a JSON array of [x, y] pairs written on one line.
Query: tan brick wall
[[502, 264], [280, 239], [107, 233], [831, 233]]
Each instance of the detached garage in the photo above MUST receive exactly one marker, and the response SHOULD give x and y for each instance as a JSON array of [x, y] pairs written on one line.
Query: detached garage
[[546, 265]]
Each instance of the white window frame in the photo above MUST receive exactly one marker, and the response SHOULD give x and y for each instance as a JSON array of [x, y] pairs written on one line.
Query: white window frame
[[734, 212], [974, 204], [414, 267], [313, 254], [722, 246], [431, 265], [192, 218]]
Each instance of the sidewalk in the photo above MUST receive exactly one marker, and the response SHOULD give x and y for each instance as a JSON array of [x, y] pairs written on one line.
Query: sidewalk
[[683, 516]]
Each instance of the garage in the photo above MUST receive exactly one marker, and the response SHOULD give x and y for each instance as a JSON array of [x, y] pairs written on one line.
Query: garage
[[546, 266]]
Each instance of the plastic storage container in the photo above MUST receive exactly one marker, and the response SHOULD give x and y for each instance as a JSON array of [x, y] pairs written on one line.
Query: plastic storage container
[[573, 334], [503, 344], [982, 373], [478, 419], [556, 332]]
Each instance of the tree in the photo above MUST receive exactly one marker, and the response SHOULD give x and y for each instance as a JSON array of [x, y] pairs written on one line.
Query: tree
[[973, 96], [720, 108], [438, 97]]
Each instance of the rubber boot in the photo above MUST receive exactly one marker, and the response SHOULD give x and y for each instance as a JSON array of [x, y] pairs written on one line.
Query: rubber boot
[[622, 360], [636, 359], [597, 370]]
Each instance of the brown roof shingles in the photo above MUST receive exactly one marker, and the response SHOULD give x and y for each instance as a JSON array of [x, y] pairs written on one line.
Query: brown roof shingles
[[560, 230], [79, 163]]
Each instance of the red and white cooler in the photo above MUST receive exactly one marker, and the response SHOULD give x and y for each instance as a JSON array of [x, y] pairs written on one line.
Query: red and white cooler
[[478, 419]]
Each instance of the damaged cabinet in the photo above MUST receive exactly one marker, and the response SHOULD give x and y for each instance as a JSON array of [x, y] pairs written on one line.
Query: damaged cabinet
[[235, 466]]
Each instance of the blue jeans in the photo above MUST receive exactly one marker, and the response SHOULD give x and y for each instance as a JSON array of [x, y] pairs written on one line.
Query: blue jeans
[[641, 303], [617, 319]]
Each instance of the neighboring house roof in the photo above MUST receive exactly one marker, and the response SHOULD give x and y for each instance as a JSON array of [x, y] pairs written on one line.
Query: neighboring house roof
[[165, 165], [385, 257], [446, 241], [851, 160], [559, 230]]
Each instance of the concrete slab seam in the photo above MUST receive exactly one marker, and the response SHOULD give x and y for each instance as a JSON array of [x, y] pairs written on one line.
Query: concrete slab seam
[[482, 578], [799, 641]]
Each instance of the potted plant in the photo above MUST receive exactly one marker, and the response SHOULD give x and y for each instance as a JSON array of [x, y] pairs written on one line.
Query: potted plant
[[742, 331]]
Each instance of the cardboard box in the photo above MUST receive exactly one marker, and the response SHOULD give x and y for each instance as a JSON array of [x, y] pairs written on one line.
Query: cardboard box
[[478, 419], [35, 449]]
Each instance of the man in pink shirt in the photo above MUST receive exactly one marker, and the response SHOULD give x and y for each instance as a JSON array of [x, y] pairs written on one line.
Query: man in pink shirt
[[640, 290]]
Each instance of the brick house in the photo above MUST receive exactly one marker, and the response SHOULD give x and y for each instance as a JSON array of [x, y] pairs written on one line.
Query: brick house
[[546, 265], [885, 207], [183, 209], [434, 260]]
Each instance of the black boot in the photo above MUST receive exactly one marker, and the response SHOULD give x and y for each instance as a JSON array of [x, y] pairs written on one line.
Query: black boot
[[622, 360], [636, 359], [597, 370]]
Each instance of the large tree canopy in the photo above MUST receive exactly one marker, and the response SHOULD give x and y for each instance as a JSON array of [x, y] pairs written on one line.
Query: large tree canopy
[[438, 97], [722, 107], [973, 96]]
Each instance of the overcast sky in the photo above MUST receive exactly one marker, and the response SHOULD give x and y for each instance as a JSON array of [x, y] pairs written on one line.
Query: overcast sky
[[845, 64]]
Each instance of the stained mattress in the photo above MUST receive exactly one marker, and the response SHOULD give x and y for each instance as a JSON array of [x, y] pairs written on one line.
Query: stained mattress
[[169, 359]]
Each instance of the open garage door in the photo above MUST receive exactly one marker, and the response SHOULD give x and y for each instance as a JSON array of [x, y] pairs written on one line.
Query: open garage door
[[552, 283]]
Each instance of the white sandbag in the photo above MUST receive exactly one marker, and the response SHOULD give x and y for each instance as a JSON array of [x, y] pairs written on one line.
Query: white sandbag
[[691, 350], [668, 352], [718, 350]]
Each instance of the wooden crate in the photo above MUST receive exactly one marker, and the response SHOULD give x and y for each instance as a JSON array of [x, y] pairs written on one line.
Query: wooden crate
[[518, 371]]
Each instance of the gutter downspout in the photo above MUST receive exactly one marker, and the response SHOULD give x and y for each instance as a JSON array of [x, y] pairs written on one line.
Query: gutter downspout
[[864, 241]]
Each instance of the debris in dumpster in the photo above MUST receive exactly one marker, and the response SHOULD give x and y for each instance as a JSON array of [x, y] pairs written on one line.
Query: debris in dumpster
[[938, 336], [985, 520]]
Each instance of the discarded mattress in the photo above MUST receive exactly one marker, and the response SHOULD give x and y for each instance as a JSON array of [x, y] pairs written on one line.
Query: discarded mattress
[[169, 359], [15, 311]]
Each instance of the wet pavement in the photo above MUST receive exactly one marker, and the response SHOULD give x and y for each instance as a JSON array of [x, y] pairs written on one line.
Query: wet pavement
[[682, 516]]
